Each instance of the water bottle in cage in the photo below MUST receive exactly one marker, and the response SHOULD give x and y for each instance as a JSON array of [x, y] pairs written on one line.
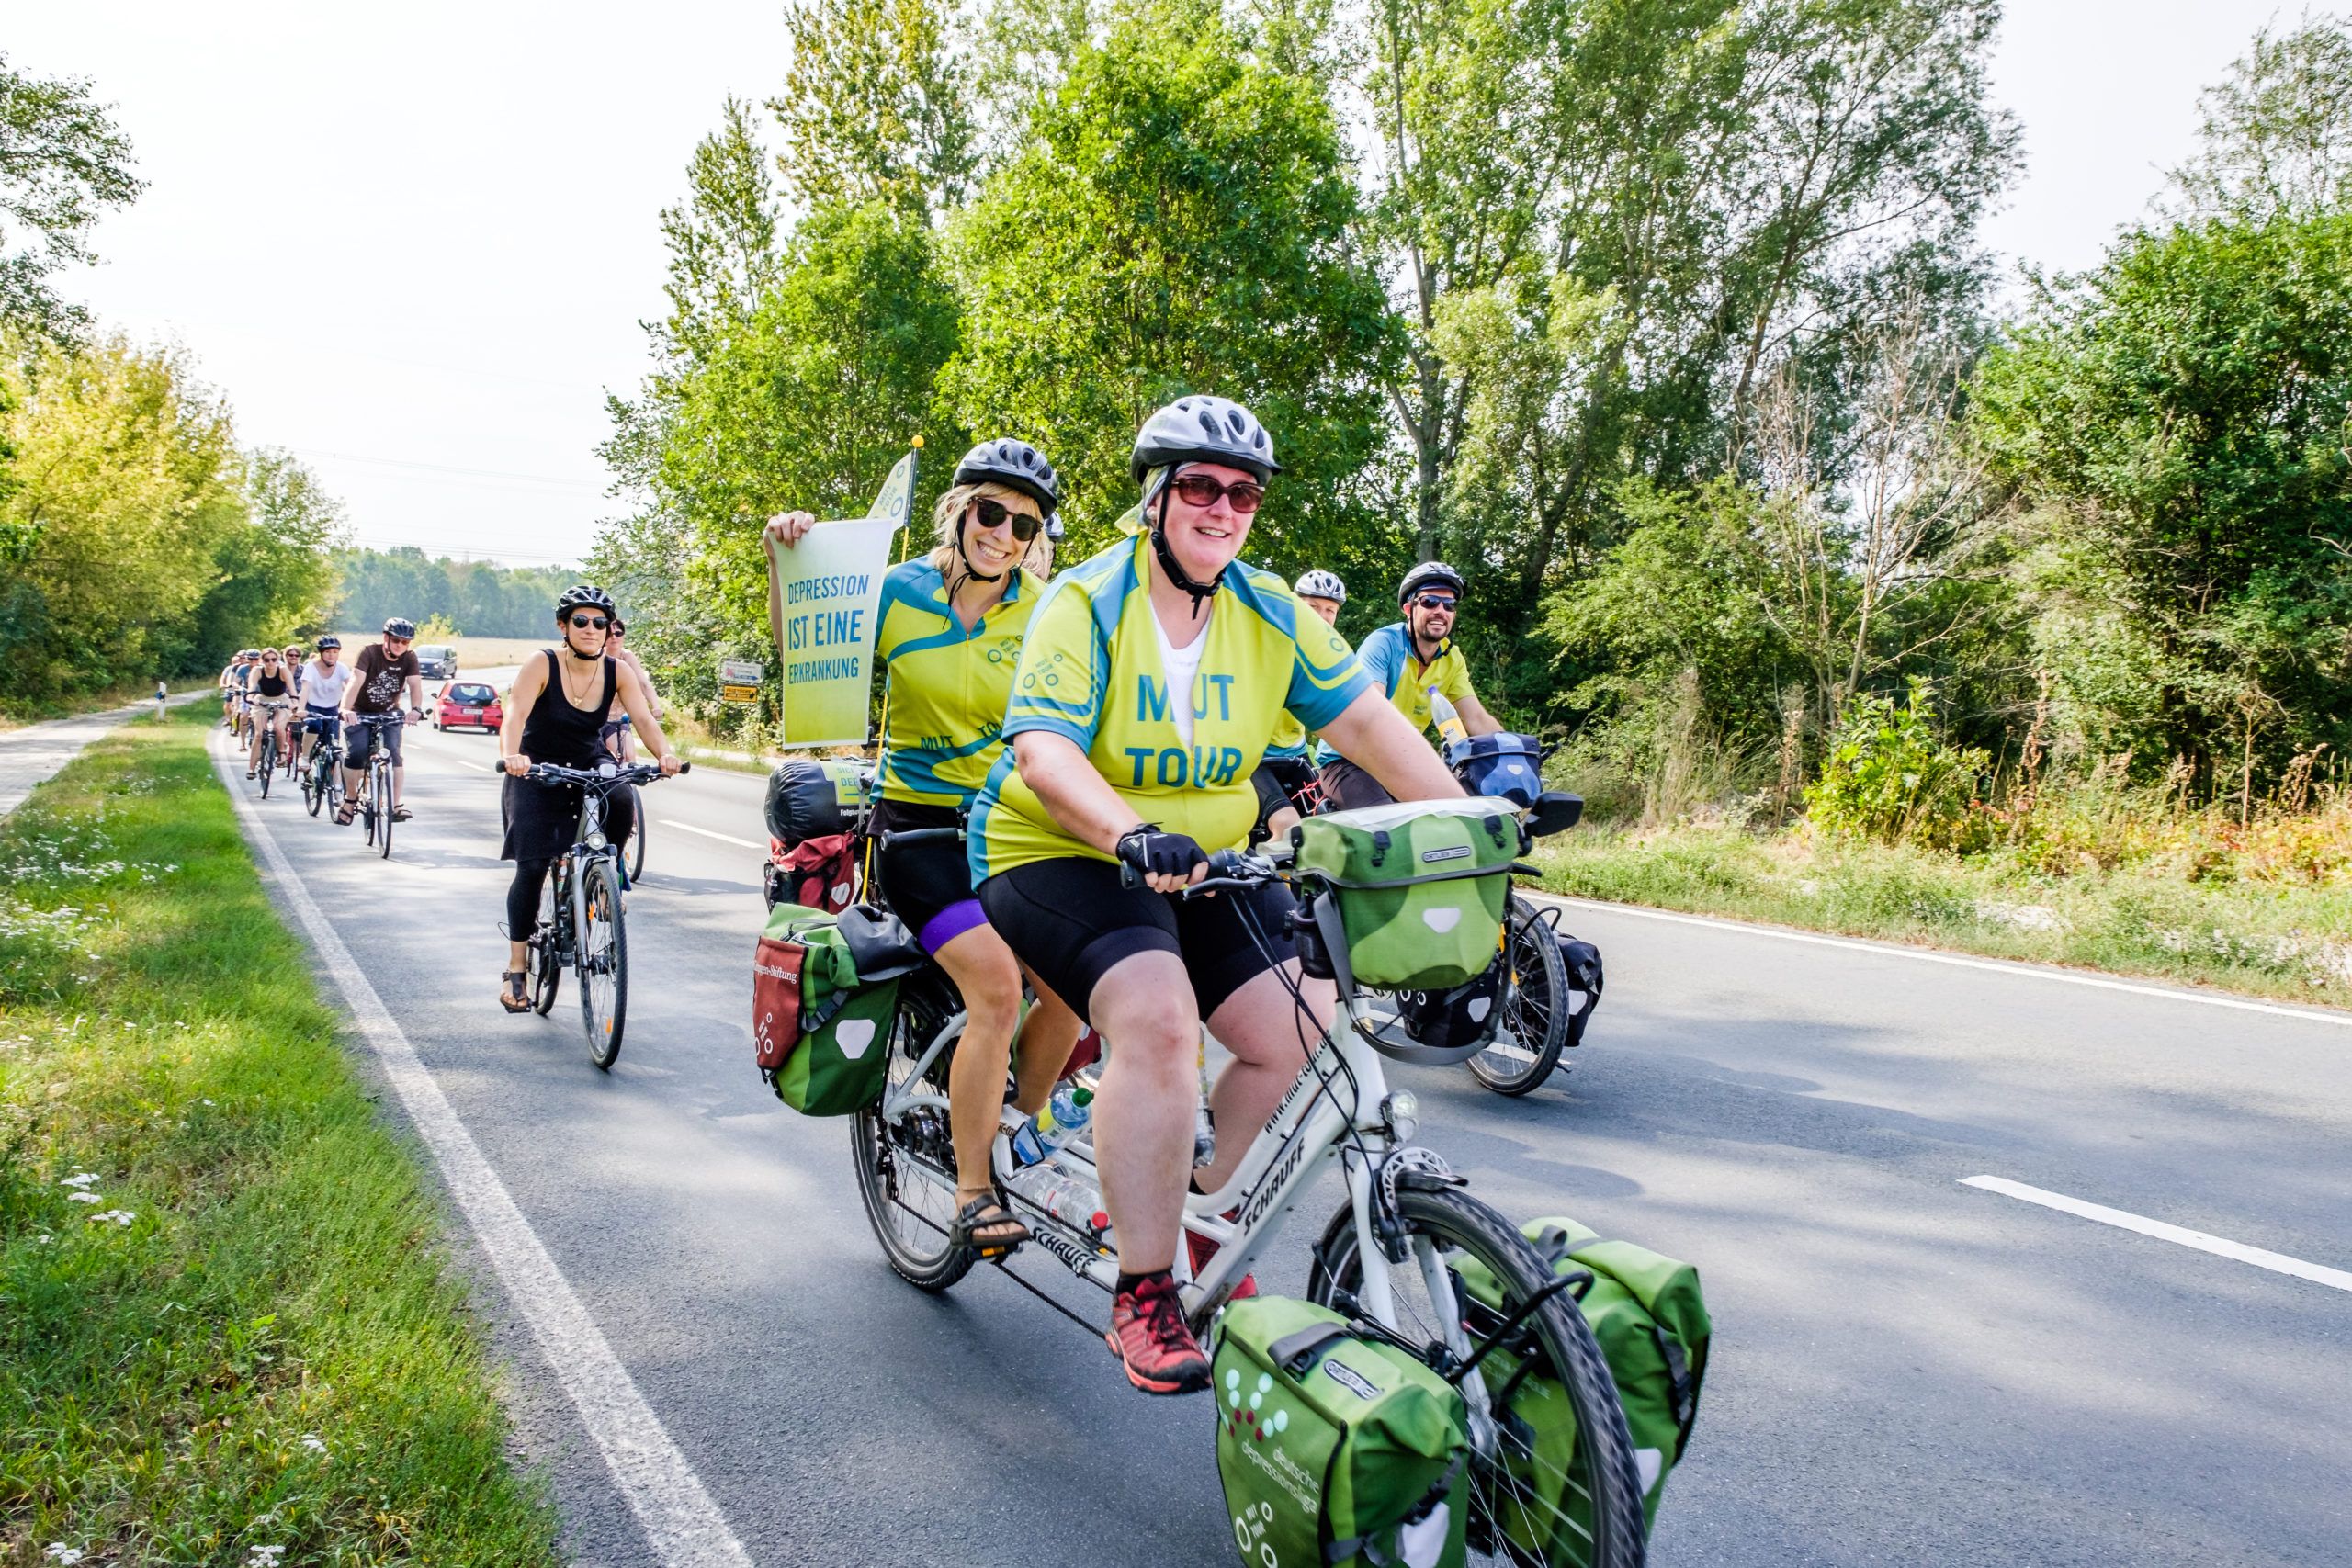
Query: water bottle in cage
[[1203, 1121]]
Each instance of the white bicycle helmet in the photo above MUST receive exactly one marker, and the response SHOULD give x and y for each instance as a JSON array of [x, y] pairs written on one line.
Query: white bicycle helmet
[[1320, 584]]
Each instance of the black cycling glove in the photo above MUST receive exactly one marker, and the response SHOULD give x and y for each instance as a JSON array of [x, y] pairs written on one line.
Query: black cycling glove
[[1155, 853]]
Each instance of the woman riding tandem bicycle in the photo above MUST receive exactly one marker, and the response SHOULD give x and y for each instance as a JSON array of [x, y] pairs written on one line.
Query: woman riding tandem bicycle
[[1153, 678], [553, 714], [949, 634]]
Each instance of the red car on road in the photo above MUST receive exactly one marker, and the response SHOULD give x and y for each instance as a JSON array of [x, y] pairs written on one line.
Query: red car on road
[[468, 702]]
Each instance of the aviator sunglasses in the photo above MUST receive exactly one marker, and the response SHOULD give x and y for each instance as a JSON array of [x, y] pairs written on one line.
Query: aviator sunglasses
[[1201, 490], [993, 514], [582, 623]]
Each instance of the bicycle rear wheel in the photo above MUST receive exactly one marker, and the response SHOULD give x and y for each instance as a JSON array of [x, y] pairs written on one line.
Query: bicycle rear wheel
[[1535, 1024], [603, 963], [268, 765], [544, 947], [905, 1168], [1543, 1494]]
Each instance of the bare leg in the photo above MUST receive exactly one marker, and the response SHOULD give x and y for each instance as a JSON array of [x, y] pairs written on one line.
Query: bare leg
[[989, 981], [1143, 1116], [1047, 1037], [1261, 1026]]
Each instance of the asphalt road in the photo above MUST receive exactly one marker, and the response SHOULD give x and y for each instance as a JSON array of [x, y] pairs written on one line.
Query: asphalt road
[[1907, 1370]]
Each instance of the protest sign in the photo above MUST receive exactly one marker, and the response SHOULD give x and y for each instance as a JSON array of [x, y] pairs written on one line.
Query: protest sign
[[830, 594]]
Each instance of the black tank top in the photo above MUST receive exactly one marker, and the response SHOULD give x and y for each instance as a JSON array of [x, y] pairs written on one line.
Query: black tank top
[[270, 686], [556, 732]]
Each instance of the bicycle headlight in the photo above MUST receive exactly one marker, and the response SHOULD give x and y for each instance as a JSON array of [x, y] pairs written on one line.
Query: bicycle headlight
[[1402, 1112], [595, 841]]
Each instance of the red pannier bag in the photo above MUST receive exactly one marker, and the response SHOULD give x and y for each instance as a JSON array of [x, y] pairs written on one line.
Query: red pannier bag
[[819, 874], [775, 1001]]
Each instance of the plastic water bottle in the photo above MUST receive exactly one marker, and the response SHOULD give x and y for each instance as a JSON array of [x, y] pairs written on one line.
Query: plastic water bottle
[[1449, 727], [1072, 1202], [1065, 1116], [1204, 1120]]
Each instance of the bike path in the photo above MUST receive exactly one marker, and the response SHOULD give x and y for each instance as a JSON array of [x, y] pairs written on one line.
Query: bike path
[[32, 756], [1907, 1370]]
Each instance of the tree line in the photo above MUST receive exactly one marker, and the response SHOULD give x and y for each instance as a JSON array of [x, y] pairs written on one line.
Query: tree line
[[1666, 320], [470, 598], [138, 538]]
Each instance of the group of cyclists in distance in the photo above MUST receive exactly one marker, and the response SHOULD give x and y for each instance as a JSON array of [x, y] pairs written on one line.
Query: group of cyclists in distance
[[268, 685], [1096, 740]]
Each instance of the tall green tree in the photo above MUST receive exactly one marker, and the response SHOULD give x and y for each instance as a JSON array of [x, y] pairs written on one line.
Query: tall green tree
[[2277, 131], [2178, 424], [1180, 218], [875, 106], [61, 161]]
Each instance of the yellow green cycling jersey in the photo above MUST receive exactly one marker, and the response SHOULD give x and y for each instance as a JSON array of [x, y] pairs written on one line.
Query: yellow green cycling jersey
[[1393, 665], [947, 687], [1092, 672], [1290, 737]]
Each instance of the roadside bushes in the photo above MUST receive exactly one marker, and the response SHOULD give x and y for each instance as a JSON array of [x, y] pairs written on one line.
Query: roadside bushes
[[1891, 778]]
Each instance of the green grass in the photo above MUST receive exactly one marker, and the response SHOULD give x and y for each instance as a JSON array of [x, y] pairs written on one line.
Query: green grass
[[246, 1338], [2285, 939]]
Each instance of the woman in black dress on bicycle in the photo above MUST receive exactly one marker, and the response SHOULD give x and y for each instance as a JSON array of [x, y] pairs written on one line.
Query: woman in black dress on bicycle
[[553, 714]]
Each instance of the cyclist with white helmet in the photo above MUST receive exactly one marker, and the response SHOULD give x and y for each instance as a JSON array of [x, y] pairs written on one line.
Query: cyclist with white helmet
[[1152, 680], [948, 638], [377, 677], [1287, 775], [1413, 660]]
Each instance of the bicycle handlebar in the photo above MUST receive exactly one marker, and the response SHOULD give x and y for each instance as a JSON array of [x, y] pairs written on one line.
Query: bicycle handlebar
[[642, 772], [918, 836], [1228, 869]]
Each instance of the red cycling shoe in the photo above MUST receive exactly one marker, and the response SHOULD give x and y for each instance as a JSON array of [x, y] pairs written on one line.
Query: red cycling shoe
[[1148, 1335]]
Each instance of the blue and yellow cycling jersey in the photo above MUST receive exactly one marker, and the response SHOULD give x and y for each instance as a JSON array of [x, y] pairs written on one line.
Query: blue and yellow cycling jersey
[[1290, 737], [1091, 673], [1390, 661], [944, 714]]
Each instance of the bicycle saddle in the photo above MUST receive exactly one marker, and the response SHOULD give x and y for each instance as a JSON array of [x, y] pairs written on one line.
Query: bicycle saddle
[[879, 944]]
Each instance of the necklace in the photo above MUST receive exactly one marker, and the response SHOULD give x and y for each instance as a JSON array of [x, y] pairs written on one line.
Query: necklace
[[573, 691]]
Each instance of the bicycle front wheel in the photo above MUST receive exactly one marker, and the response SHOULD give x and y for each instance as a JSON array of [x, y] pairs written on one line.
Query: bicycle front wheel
[[636, 839], [268, 762], [1543, 1493], [906, 1168], [546, 948], [380, 793], [1535, 1024], [602, 963]]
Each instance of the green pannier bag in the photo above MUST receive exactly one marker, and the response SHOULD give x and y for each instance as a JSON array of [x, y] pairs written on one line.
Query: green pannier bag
[[819, 1034], [1336, 1451], [1648, 1313], [1420, 886]]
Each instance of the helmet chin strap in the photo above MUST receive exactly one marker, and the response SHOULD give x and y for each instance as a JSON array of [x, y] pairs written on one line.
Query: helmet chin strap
[[971, 572], [1202, 593]]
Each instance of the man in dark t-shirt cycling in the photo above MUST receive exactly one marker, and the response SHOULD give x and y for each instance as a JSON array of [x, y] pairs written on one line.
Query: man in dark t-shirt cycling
[[377, 677]]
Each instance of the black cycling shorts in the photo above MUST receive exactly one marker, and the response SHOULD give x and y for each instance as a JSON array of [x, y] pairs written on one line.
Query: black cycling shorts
[[1070, 921], [1349, 787], [1278, 781], [927, 883]]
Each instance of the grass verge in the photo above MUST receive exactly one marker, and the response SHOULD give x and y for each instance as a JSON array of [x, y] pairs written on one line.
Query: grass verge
[[2280, 940], [226, 1334]]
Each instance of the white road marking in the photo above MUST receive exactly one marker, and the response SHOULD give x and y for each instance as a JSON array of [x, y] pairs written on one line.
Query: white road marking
[[722, 838], [2219, 1247], [1995, 965], [681, 1524]]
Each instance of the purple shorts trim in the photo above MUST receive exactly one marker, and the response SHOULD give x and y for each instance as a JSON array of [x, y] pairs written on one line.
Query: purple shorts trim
[[950, 923]]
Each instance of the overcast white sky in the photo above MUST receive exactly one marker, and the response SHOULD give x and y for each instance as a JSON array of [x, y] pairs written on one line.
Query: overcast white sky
[[412, 244]]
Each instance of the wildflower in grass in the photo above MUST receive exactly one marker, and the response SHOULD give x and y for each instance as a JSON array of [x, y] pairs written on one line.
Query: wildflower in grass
[[83, 1198], [313, 1442], [265, 1557], [79, 1179], [60, 1552], [114, 1217]]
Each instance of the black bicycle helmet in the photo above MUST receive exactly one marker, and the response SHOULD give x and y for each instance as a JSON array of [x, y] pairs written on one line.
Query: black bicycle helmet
[[329, 641], [1007, 460], [400, 626], [584, 596], [1203, 429], [1427, 573]]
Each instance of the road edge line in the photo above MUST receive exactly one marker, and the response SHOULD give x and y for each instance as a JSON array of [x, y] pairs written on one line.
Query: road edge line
[[1956, 960], [682, 1523], [2123, 1219]]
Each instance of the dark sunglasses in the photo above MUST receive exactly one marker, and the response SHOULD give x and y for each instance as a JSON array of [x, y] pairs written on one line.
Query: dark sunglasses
[[270, 658], [582, 623], [1201, 490], [1434, 601], [995, 513]]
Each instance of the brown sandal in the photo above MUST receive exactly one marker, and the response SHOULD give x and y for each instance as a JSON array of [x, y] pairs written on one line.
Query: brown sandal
[[511, 995], [983, 1226]]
